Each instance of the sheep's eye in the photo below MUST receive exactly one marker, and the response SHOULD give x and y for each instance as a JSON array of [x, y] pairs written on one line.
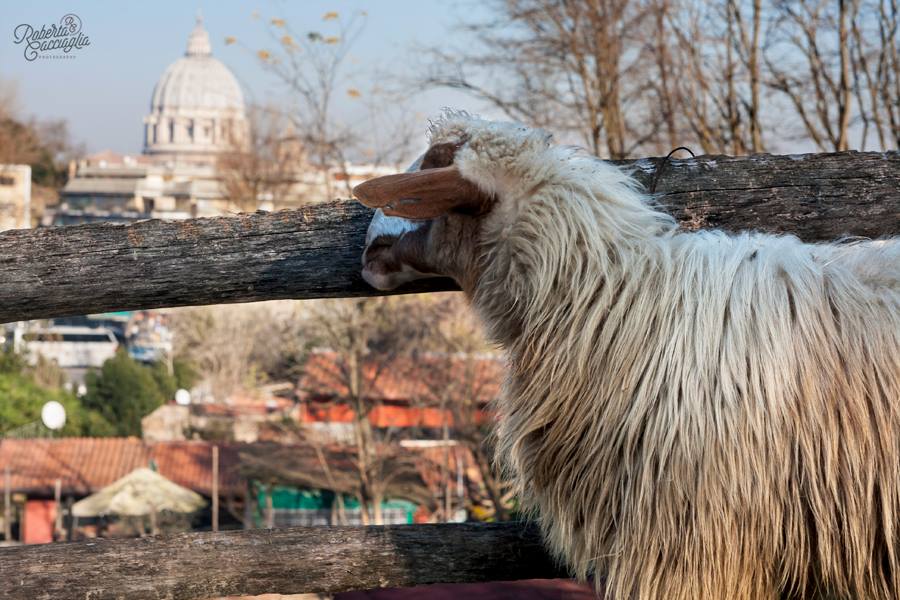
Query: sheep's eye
[[382, 241]]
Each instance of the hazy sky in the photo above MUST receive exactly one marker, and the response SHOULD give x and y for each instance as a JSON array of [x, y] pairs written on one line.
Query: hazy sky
[[105, 91]]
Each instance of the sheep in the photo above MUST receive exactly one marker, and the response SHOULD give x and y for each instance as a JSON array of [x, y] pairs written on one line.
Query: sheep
[[687, 414]]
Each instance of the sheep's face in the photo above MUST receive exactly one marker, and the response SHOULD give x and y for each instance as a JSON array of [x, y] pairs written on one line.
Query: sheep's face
[[430, 220], [426, 224]]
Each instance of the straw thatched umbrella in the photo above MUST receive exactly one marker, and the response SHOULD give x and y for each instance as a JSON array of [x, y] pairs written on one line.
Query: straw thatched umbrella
[[141, 492]]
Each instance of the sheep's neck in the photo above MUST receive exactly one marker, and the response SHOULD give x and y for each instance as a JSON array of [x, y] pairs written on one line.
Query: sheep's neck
[[557, 327]]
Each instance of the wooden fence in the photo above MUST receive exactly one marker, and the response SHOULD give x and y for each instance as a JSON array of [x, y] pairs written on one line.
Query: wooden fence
[[314, 252]]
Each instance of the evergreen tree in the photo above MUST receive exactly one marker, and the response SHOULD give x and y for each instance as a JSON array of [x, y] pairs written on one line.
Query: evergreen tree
[[123, 391], [22, 397]]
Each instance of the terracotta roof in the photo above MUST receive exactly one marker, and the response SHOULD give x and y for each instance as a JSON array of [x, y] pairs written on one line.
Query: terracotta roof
[[245, 403], [189, 463], [383, 415], [422, 378], [85, 465]]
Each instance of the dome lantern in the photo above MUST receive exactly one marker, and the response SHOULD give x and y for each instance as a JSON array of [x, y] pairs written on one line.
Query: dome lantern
[[198, 41]]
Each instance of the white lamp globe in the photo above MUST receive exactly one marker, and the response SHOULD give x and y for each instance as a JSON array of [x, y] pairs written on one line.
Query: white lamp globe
[[53, 415], [182, 397]]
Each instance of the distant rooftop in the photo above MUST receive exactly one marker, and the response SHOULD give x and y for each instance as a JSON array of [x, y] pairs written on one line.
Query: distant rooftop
[[85, 465]]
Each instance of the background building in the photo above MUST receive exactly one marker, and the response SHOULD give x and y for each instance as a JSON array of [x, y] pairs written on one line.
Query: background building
[[15, 197], [197, 110], [196, 113], [197, 116]]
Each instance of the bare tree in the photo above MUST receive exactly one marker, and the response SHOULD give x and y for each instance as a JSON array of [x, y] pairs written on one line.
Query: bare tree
[[311, 66], [808, 59], [573, 67], [45, 145], [875, 29], [625, 76], [310, 465], [366, 336], [717, 70], [462, 379], [386, 136], [235, 347], [266, 166], [315, 68]]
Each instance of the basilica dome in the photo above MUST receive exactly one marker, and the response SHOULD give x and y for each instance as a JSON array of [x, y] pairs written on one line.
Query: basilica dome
[[197, 108]]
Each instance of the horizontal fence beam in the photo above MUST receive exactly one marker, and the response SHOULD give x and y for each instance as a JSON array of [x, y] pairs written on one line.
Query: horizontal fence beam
[[287, 561], [314, 252]]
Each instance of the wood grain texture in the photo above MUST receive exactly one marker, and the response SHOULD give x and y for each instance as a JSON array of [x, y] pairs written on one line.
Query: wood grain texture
[[314, 252], [287, 561]]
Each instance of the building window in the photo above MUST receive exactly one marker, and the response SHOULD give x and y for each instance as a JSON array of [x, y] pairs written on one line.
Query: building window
[[171, 131], [190, 130], [4, 180]]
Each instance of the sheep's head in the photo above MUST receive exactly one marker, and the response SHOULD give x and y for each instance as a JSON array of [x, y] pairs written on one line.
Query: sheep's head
[[430, 220]]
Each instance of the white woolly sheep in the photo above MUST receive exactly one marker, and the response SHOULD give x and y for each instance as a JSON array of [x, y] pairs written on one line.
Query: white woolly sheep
[[689, 415]]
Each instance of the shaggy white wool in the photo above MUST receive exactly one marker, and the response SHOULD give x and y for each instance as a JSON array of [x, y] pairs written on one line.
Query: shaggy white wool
[[689, 415]]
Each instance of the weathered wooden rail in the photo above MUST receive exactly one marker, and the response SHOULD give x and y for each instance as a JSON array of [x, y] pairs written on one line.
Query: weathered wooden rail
[[287, 561], [314, 252]]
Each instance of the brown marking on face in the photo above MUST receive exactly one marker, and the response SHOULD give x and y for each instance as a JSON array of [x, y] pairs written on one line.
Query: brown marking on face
[[390, 253], [440, 155], [444, 203]]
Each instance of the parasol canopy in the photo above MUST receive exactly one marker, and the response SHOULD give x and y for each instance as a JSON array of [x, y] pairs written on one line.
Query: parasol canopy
[[141, 492]]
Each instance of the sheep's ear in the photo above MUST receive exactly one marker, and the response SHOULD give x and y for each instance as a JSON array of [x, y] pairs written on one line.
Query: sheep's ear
[[423, 194]]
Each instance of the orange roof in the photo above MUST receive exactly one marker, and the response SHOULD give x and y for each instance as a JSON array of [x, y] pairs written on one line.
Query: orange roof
[[382, 416], [189, 464], [87, 464], [422, 378]]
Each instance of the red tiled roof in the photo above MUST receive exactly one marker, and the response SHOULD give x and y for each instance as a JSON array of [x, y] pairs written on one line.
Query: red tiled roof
[[189, 464], [405, 378], [383, 416], [86, 465], [253, 403], [218, 409]]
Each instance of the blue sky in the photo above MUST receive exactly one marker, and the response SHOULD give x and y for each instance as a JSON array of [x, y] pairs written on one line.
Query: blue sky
[[105, 91]]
